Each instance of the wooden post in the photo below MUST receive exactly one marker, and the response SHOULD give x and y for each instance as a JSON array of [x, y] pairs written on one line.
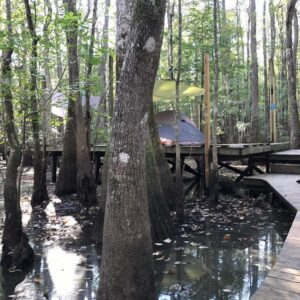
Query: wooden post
[[207, 119], [54, 166]]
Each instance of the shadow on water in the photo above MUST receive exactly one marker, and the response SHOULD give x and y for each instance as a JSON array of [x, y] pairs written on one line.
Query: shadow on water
[[221, 253]]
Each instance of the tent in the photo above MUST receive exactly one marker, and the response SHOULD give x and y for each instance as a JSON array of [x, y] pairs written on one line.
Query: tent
[[189, 133]]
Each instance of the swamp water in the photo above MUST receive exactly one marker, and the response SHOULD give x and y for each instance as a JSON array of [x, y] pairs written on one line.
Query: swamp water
[[220, 253]]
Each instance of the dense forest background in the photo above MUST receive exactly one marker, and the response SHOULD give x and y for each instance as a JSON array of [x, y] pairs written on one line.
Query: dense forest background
[[96, 52]]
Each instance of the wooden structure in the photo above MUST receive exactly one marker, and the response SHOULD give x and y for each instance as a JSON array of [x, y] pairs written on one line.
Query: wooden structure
[[283, 281], [226, 154]]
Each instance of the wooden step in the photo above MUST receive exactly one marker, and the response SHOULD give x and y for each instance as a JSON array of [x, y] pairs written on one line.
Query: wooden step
[[285, 168]]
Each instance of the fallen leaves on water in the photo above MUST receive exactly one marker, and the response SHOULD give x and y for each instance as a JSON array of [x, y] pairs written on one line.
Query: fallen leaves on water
[[180, 263], [38, 279], [168, 241], [227, 237], [169, 272]]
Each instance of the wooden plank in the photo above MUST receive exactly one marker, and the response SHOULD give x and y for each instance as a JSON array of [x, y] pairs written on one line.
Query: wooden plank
[[275, 147], [285, 270], [284, 285], [284, 185], [285, 169], [269, 293], [287, 156], [284, 276]]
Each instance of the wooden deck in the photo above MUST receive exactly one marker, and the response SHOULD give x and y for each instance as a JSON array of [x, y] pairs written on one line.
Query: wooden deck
[[283, 281], [226, 152], [288, 156]]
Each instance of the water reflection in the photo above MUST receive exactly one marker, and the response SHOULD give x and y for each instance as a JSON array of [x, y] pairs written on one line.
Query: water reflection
[[67, 271], [208, 259], [228, 270]]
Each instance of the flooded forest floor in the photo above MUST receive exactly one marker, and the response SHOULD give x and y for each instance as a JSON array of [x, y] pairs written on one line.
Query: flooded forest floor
[[217, 253]]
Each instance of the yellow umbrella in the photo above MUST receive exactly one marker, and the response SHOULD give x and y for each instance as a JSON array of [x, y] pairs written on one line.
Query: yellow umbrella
[[166, 90]]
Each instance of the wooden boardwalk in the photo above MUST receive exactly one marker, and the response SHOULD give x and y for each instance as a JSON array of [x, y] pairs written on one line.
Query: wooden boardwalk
[[283, 281]]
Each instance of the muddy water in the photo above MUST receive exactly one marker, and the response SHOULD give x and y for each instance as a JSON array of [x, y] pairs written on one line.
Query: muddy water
[[220, 253]]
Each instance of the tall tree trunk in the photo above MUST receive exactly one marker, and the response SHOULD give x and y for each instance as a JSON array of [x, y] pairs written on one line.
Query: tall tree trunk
[[16, 251], [170, 16], [86, 188], [214, 171], [160, 192], [179, 204], [126, 239], [88, 76], [267, 106], [294, 116], [272, 114], [67, 177], [239, 86], [110, 87], [296, 41], [46, 126], [224, 38], [87, 6], [59, 68], [165, 179], [103, 68], [282, 91], [248, 72], [40, 193], [254, 77]]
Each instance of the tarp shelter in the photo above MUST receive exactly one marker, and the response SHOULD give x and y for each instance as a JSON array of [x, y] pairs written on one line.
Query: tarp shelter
[[166, 90], [163, 90], [189, 134]]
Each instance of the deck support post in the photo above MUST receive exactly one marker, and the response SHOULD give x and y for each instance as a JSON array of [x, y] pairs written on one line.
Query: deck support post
[[54, 167], [97, 168]]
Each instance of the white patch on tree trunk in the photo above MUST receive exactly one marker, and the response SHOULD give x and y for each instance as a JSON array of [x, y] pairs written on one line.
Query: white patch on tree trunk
[[150, 45], [145, 119], [124, 157]]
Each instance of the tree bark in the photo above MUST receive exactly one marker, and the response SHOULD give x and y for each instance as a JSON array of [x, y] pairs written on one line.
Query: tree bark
[[46, 122], [16, 251], [40, 193], [214, 171], [267, 106], [59, 68], [270, 115], [86, 188], [170, 194], [180, 203], [248, 72], [102, 106], [296, 41], [239, 85], [282, 91], [110, 87], [67, 177], [254, 77], [170, 16], [88, 77], [294, 116], [126, 240]]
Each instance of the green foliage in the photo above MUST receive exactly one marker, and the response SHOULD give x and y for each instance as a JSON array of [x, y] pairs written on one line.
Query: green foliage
[[234, 84]]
